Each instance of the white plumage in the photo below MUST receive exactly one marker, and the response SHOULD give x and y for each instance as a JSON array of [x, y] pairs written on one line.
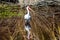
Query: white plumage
[[27, 20], [27, 16], [27, 28]]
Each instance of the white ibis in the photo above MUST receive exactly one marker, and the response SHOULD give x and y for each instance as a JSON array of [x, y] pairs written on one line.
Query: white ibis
[[27, 16]]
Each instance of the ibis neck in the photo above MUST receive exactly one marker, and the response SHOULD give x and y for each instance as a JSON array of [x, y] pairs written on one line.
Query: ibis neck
[[28, 11]]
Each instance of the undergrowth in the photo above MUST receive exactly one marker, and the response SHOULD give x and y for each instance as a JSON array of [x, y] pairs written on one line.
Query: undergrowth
[[8, 11]]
